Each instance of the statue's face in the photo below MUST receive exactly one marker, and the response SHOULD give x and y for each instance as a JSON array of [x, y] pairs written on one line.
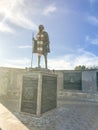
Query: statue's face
[[41, 28]]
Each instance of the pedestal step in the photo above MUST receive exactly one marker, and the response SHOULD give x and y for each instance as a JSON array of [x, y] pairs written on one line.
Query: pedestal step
[[72, 95]]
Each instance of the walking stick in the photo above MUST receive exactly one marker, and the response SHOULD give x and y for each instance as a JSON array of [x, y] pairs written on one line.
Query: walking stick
[[32, 49]]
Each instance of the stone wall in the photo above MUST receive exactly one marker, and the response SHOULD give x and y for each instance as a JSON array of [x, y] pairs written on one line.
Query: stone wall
[[8, 81], [10, 77], [4, 81], [89, 81], [60, 80]]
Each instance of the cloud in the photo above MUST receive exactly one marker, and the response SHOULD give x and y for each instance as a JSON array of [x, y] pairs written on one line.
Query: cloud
[[22, 21], [24, 46], [49, 9], [22, 13], [92, 40], [65, 62], [5, 28], [17, 63], [92, 20], [17, 12], [69, 61]]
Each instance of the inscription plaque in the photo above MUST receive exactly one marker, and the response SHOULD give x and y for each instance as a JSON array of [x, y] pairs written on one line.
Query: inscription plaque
[[72, 81], [49, 93], [29, 95]]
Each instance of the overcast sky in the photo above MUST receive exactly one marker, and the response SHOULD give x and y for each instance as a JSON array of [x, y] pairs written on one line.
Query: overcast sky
[[72, 26]]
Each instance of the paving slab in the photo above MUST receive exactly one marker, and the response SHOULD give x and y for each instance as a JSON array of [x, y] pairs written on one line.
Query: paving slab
[[8, 121]]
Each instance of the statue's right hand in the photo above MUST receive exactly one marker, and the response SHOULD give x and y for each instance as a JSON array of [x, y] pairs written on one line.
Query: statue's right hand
[[33, 39]]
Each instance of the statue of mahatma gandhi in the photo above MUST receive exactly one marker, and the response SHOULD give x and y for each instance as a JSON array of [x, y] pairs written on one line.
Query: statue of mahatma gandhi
[[41, 45]]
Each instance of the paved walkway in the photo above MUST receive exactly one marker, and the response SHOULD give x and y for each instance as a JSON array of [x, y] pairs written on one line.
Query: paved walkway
[[8, 121]]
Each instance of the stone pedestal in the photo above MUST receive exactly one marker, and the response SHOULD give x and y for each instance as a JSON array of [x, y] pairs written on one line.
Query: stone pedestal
[[39, 92]]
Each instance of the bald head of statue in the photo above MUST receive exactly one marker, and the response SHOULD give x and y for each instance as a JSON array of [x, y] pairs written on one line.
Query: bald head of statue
[[41, 27]]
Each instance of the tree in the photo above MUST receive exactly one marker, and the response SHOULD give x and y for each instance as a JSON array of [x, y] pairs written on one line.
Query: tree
[[83, 67], [80, 67]]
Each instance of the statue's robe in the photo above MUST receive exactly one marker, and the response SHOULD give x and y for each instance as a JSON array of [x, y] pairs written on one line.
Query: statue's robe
[[41, 44]]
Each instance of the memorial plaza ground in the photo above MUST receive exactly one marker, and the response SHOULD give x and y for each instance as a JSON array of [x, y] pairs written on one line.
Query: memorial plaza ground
[[69, 115]]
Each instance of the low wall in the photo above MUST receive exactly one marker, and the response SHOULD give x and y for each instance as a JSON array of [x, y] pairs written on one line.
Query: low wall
[[89, 81], [8, 80], [4, 81], [10, 77]]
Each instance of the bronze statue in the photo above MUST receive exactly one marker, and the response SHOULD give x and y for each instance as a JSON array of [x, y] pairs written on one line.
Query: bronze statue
[[41, 45]]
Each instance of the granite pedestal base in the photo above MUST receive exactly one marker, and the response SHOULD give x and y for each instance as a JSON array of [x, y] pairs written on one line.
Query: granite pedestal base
[[39, 92]]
